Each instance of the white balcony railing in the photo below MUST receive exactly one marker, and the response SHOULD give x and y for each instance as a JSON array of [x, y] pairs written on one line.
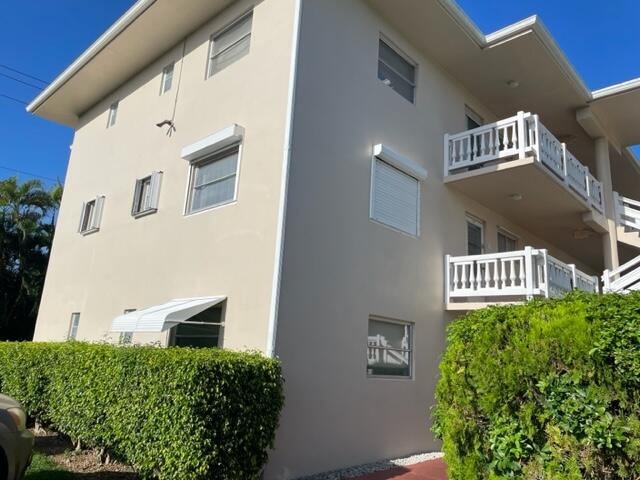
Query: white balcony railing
[[514, 138], [627, 212], [623, 279], [512, 276]]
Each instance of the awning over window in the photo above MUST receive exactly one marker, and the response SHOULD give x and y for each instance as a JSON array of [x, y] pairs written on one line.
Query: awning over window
[[162, 317]]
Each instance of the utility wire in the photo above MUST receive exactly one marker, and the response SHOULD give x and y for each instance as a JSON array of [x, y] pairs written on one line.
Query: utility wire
[[2, 95], [22, 172], [20, 81], [7, 67]]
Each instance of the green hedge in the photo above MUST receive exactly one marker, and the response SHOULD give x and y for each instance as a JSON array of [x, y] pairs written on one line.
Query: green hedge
[[546, 390], [174, 413]]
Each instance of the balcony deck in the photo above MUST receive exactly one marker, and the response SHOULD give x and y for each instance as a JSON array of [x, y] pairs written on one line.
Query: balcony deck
[[475, 281], [518, 169]]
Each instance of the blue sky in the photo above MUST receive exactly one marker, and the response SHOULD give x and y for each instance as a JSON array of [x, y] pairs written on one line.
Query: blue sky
[[41, 38]]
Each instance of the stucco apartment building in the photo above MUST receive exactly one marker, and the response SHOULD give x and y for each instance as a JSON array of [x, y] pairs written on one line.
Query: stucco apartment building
[[331, 182]]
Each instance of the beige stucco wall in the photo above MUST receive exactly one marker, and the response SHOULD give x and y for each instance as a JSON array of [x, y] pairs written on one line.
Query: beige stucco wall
[[230, 250], [340, 267]]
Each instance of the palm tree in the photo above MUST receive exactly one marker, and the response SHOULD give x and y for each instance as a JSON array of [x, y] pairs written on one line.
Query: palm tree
[[25, 241]]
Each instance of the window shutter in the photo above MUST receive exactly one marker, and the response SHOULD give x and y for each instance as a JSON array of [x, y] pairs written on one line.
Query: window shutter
[[135, 206], [156, 180], [97, 214], [83, 212], [395, 198]]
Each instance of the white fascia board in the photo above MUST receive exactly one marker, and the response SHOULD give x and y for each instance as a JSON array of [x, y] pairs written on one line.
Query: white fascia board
[[399, 161], [105, 39], [217, 141], [617, 88]]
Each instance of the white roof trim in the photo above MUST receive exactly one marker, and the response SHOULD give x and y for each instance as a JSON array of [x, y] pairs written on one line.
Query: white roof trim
[[96, 47], [400, 162], [617, 88], [214, 142], [162, 317]]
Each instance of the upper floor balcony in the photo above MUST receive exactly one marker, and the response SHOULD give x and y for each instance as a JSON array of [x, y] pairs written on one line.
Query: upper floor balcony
[[475, 281], [519, 169]]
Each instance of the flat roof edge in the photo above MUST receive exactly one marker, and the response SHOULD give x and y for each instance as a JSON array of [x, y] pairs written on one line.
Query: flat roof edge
[[107, 37], [616, 89]]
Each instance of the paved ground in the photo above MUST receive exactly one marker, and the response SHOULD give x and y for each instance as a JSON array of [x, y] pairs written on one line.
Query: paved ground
[[430, 470]]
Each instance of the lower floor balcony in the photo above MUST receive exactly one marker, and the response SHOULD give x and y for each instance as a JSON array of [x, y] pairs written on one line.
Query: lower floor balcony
[[476, 281]]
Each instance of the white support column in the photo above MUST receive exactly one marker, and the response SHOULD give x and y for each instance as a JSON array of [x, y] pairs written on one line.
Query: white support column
[[528, 269], [603, 171]]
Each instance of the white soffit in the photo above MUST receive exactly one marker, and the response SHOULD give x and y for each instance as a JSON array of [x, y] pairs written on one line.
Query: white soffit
[[213, 143], [162, 317], [400, 162]]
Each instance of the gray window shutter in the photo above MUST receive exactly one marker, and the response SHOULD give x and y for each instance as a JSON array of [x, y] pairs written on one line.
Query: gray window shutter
[[395, 199], [156, 180], [83, 212], [135, 206], [97, 214]]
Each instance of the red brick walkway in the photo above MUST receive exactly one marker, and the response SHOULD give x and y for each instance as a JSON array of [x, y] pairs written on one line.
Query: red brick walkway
[[430, 470]]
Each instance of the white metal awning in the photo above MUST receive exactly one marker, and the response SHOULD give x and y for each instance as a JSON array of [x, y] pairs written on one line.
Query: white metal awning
[[162, 317]]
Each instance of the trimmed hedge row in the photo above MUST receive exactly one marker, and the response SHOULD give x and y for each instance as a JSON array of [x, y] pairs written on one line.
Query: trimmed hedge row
[[174, 413], [545, 390]]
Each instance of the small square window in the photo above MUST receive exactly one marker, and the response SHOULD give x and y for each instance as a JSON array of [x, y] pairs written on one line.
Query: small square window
[[91, 215], [126, 338], [113, 113], [389, 348], [213, 180], [231, 44], [167, 78], [146, 195], [396, 71], [73, 326], [507, 242]]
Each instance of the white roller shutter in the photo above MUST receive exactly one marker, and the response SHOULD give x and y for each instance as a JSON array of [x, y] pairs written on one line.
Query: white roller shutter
[[395, 198]]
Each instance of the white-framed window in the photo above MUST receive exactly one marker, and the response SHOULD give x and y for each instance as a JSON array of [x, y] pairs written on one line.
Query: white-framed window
[[396, 70], [213, 180], [73, 326], [91, 215], [230, 44], [395, 198], [146, 195], [475, 235], [507, 242], [167, 78], [202, 330], [389, 348], [113, 114], [126, 338]]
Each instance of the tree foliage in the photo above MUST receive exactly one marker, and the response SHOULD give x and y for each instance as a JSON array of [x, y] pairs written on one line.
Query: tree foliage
[[545, 390], [27, 218]]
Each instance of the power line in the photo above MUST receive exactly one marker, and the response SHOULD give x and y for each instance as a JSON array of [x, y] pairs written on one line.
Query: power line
[[14, 70], [22, 172], [2, 95], [20, 81]]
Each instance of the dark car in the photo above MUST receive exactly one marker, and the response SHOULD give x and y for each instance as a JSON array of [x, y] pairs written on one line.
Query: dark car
[[16, 442]]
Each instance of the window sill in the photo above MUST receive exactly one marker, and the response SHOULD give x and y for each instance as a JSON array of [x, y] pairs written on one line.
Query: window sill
[[144, 213], [388, 377], [84, 233], [212, 207]]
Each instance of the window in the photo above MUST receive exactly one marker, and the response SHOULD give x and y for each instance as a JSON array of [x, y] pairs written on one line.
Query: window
[[113, 113], [213, 180], [146, 195], [91, 215], [126, 338], [396, 71], [167, 78], [395, 198], [473, 119], [389, 349], [506, 242], [201, 330], [475, 236], [230, 44], [73, 326]]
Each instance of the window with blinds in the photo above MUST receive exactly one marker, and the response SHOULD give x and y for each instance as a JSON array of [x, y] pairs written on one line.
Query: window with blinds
[[146, 195], [395, 198], [396, 71], [91, 215], [213, 180], [231, 44], [167, 79], [73, 326]]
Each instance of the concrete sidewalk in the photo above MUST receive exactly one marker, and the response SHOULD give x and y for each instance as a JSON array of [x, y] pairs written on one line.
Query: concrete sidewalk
[[429, 470]]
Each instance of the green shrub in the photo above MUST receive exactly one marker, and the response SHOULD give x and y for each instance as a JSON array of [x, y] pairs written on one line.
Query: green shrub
[[545, 390], [173, 413]]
